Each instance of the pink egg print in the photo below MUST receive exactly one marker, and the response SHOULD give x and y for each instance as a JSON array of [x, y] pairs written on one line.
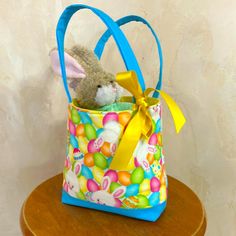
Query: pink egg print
[[153, 139], [92, 147], [112, 175], [111, 116], [72, 128], [155, 184], [92, 186]]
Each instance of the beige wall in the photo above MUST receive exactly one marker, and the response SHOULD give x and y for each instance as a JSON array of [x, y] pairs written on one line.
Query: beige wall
[[198, 40]]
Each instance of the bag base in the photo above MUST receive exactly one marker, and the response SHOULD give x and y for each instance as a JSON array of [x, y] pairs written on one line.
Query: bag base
[[148, 214]]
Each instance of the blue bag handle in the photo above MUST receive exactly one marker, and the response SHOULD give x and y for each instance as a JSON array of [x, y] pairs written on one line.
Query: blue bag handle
[[122, 21], [119, 37]]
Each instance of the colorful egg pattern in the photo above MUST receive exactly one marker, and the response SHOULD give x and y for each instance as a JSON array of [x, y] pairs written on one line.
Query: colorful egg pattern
[[91, 151]]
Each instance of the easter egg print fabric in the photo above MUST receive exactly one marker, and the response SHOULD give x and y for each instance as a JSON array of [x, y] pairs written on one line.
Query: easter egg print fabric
[[92, 141]]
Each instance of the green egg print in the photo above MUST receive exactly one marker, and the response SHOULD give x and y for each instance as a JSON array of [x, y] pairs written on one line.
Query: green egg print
[[100, 161], [90, 131], [137, 176], [142, 201], [75, 116]]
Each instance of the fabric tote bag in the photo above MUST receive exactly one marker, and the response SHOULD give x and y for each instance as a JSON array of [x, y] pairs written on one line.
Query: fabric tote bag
[[114, 159]]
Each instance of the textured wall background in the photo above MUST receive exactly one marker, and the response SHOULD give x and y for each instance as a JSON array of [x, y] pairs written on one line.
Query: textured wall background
[[198, 39]]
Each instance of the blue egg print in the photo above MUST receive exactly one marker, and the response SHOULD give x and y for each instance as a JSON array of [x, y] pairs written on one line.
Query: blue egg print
[[74, 141], [154, 199], [99, 131], [148, 174], [85, 118], [109, 161], [132, 190], [86, 172], [158, 126]]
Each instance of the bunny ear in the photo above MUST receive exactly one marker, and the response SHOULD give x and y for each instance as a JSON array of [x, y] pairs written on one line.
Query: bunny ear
[[77, 168], [119, 192], [73, 68], [106, 182]]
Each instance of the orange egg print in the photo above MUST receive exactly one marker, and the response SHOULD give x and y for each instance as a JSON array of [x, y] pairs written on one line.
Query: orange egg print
[[124, 178], [150, 158], [124, 118], [106, 149], [80, 130], [159, 139], [88, 159]]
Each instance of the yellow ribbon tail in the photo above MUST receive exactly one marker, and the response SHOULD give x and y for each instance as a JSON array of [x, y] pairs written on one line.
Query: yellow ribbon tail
[[127, 145], [178, 117]]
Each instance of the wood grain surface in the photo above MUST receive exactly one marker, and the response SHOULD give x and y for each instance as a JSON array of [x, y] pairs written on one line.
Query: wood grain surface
[[44, 214]]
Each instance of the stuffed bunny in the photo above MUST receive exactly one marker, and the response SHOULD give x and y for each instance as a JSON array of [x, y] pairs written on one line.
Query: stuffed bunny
[[94, 87], [103, 196]]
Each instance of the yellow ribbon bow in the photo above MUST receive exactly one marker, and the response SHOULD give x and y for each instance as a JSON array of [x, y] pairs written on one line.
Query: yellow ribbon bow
[[141, 122]]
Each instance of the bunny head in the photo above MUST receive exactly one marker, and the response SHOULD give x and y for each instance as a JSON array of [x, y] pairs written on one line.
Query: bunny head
[[103, 197], [71, 184], [94, 87]]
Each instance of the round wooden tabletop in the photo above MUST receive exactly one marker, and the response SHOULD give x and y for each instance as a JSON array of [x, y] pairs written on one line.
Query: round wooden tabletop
[[44, 214]]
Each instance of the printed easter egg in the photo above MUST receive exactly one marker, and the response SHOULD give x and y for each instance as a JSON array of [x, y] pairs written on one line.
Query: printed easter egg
[[153, 139], [92, 185], [142, 201], [144, 187], [83, 184], [154, 199], [114, 186], [72, 128], [99, 131], [90, 131], [163, 193], [98, 174], [155, 184], [69, 113], [131, 202], [158, 126], [137, 175], [124, 178], [132, 190], [86, 172], [109, 160], [111, 116], [74, 141], [78, 155], [159, 139], [106, 149], [83, 144], [99, 160], [97, 120], [136, 163], [80, 195], [157, 155], [75, 116], [88, 159], [148, 174], [124, 118], [112, 175], [92, 147], [80, 130], [85, 118], [150, 158]]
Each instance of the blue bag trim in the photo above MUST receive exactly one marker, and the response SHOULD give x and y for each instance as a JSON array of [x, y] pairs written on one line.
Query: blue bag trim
[[122, 21], [148, 214], [119, 37]]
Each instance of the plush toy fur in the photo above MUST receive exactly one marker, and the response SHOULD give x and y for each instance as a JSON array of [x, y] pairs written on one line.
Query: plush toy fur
[[94, 86]]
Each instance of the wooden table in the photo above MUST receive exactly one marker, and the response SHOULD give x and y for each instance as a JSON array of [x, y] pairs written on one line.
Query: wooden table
[[44, 214]]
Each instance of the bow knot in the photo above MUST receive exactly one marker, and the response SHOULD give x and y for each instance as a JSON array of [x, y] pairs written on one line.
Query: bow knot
[[141, 102], [141, 123]]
